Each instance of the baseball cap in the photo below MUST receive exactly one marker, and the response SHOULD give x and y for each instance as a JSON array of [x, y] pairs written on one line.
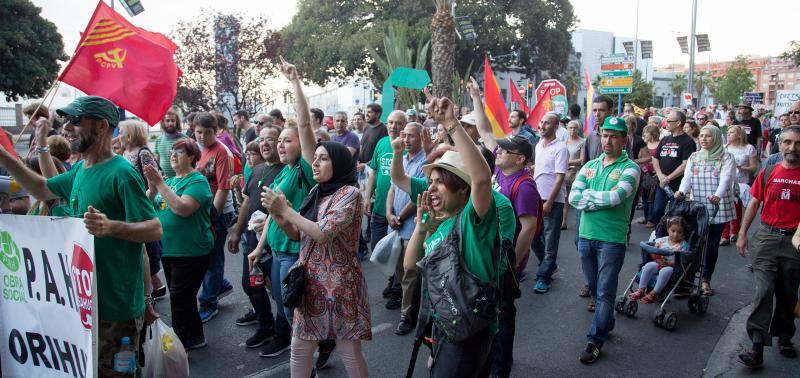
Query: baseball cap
[[517, 143], [92, 106], [451, 162], [615, 123], [469, 119], [411, 112]]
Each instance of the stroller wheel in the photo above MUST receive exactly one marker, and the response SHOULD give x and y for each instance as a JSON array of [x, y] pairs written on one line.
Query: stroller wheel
[[619, 305], [631, 308], [702, 304], [693, 303], [670, 320], [658, 317]]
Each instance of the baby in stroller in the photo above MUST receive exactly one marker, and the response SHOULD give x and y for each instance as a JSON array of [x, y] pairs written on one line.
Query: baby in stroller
[[661, 266]]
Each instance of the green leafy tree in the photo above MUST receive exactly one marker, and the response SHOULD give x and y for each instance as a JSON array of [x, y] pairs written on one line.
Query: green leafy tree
[[642, 91], [397, 52], [238, 70], [30, 48], [678, 84], [793, 53], [326, 38], [736, 79]]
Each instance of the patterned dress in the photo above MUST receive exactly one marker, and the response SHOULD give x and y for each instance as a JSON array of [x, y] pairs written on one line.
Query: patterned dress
[[702, 178], [335, 305]]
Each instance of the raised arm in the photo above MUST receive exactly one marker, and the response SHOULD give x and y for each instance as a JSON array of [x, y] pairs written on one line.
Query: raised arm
[[482, 123], [481, 194], [308, 141], [397, 172], [46, 163]]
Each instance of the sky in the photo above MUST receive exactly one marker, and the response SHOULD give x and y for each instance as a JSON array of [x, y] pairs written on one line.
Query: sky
[[734, 27]]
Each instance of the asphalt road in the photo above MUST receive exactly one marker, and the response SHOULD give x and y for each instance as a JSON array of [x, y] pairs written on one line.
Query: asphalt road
[[550, 334]]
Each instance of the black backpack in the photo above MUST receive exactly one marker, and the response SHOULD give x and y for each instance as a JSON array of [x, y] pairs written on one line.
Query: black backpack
[[461, 304]]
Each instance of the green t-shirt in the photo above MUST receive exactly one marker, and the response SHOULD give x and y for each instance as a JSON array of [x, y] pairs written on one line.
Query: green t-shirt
[[381, 163], [289, 182], [485, 231], [505, 211], [187, 236], [246, 172], [115, 188], [163, 146]]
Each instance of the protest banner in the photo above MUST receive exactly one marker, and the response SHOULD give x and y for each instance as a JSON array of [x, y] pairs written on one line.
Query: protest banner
[[784, 100], [48, 304]]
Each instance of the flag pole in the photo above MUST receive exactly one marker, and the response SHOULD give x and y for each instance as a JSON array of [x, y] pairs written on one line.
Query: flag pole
[[30, 121]]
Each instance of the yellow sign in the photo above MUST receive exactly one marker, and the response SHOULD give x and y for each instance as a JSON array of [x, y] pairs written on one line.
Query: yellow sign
[[617, 82], [112, 58]]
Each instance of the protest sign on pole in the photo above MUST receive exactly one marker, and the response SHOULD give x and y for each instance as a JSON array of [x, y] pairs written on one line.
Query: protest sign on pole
[[48, 307], [784, 100]]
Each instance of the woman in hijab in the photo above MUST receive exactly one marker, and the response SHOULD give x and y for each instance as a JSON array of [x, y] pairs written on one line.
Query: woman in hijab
[[708, 179], [335, 305]]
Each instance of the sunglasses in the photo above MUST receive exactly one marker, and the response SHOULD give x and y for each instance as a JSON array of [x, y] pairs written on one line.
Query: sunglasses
[[793, 112], [177, 153], [76, 119]]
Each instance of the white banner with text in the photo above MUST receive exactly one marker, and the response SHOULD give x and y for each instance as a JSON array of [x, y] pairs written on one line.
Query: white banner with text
[[47, 302]]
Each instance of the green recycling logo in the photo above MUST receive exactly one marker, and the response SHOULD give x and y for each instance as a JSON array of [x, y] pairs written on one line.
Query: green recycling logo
[[9, 252]]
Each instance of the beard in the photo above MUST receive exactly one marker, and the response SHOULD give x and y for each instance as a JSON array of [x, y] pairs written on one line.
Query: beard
[[791, 157], [83, 143]]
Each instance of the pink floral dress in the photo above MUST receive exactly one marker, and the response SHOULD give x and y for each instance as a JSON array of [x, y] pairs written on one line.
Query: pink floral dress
[[335, 305]]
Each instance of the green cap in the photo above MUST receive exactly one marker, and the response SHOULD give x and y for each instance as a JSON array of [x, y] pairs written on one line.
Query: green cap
[[92, 106], [615, 123]]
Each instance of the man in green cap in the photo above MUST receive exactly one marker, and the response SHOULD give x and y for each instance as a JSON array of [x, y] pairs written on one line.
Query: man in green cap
[[604, 190], [106, 191]]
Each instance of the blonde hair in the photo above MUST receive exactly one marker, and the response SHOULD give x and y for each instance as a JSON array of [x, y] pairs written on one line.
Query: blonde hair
[[134, 132], [652, 131], [740, 131]]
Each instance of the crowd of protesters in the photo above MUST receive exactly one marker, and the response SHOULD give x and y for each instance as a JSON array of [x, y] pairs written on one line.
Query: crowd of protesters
[[292, 194]]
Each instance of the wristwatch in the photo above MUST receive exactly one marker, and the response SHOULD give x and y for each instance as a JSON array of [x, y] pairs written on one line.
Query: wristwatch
[[43, 149]]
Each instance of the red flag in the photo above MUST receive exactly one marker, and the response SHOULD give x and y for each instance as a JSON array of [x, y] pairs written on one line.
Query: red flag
[[495, 107], [516, 97], [544, 104], [132, 67]]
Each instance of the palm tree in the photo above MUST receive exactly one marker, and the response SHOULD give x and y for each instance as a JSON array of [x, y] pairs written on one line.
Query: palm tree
[[678, 85], [397, 52], [442, 48], [700, 83]]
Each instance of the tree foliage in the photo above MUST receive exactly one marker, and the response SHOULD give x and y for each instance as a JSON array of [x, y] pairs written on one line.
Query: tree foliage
[[678, 84], [642, 94], [325, 38], [397, 52], [30, 48], [737, 79], [793, 53], [225, 70]]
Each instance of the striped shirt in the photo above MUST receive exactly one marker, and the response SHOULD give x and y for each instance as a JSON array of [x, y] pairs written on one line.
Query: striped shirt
[[163, 146], [605, 195]]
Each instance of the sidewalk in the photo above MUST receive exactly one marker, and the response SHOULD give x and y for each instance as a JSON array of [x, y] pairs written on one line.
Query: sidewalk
[[724, 361]]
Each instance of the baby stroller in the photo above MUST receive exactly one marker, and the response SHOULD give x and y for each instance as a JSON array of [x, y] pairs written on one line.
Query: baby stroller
[[685, 277]]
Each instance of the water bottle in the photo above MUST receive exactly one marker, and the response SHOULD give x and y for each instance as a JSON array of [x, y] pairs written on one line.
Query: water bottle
[[256, 277], [125, 359]]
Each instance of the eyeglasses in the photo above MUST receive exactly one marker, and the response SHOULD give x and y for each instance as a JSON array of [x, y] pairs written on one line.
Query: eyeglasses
[[500, 150], [793, 112], [177, 153], [673, 121], [268, 140]]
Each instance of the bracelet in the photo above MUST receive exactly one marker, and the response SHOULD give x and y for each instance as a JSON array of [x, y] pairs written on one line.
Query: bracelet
[[452, 126], [148, 300], [43, 149]]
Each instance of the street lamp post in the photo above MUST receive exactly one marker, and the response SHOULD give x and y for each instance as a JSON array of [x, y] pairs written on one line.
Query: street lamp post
[[692, 47]]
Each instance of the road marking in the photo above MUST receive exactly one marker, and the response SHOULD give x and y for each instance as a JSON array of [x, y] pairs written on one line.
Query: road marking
[[283, 366]]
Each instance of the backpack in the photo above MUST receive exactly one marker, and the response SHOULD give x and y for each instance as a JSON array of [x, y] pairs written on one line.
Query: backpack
[[515, 188], [461, 303]]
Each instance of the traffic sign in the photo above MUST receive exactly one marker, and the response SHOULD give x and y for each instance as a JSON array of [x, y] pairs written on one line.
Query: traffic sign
[[616, 73], [557, 93], [687, 98]]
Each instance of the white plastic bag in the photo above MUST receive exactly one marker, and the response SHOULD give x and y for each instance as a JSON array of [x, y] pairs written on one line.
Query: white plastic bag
[[164, 355], [386, 253]]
